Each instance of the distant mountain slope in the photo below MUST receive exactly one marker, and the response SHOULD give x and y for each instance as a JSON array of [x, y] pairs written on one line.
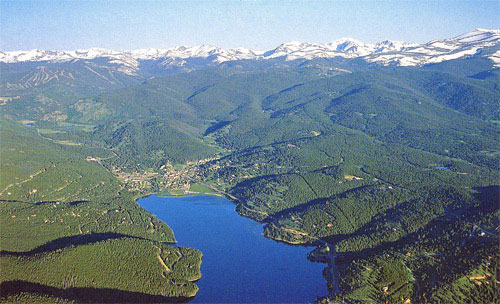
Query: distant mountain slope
[[39, 84], [243, 109]]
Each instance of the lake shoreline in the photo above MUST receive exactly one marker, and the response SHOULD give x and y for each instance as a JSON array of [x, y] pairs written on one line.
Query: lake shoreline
[[236, 204], [331, 280], [180, 215], [247, 213]]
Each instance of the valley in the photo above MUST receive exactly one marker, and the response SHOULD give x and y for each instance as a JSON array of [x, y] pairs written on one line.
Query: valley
[[394, 167]]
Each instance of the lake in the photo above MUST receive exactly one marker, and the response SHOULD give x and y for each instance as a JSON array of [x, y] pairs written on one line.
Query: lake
[[239, 264]]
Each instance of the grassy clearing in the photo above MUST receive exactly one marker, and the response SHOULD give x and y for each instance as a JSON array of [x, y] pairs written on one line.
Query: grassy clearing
[[201, 189]]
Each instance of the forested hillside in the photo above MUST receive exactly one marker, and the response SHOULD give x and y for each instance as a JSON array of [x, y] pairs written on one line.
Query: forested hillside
[[70, 232], [395, 169]]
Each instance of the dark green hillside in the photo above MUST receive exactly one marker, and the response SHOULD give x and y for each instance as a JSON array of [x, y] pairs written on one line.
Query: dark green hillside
[[164, 119], [197, 96], [467, 96], [64, 220], [491, 75], [369, 159], [467, 67], [28, 161], [43, 90], [397, 169], [152, 144]]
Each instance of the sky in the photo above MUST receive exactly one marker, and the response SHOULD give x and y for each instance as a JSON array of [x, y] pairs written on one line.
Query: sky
[[260, 25]]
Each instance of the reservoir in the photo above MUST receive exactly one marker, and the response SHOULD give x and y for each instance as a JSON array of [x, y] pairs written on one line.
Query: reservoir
[[239, 264]]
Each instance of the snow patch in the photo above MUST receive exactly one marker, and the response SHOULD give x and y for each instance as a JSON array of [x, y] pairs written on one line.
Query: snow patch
[[385, 52]]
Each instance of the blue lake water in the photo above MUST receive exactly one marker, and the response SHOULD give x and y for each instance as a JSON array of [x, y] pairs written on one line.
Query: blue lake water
[[239, 264], [441, 168]]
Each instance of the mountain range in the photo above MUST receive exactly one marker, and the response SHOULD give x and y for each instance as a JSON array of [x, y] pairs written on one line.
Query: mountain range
[[479, 43], [384, 156]]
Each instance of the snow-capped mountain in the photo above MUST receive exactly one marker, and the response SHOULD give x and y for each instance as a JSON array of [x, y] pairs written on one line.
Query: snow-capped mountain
[[385, 52], [345, 47], [465, 45]]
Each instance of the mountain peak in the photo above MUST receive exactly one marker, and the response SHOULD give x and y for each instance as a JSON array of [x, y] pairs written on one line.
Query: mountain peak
[[384, 52], [347, 40], [477, 35]]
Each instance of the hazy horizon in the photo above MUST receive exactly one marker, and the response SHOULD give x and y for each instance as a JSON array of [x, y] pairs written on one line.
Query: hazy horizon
[[258, 25]]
